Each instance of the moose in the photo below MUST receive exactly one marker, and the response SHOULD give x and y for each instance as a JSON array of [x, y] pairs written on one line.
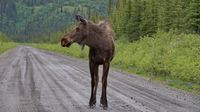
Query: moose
[[99, 37]]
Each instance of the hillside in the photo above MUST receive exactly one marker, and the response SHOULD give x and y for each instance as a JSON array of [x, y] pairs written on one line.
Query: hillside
[[26, 20]]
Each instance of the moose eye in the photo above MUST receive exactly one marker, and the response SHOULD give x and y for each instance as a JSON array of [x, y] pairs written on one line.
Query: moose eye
[[77, 29]]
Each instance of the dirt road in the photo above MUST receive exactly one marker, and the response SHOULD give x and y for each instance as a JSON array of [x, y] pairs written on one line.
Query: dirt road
[[33, 80]]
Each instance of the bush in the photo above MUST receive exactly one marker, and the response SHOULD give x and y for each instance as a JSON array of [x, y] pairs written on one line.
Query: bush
[[164, 54], [174, 58]]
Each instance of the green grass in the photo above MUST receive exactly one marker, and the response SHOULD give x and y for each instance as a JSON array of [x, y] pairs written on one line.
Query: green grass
[[5, 43], [166, 57], [4, 46], [74, 50]]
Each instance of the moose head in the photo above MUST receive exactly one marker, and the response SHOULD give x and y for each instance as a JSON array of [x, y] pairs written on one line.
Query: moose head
[[78, 35]]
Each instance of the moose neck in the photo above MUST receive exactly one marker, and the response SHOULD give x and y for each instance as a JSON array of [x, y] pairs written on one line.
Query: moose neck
[[99, 36], [94, 40]]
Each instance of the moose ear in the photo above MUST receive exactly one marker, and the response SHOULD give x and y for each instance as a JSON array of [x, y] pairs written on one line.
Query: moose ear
[[81, 19]]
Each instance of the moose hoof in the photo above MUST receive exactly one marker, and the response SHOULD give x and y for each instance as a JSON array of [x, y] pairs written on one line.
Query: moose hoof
[[92, 103], [105, 107], [92, 106]]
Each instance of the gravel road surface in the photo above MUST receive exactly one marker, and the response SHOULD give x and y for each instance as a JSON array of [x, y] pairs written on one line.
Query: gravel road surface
[[33, 80]]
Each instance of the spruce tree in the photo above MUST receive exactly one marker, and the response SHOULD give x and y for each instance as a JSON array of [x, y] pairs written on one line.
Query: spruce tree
[[149, 19], [193, 17], [135, 20]]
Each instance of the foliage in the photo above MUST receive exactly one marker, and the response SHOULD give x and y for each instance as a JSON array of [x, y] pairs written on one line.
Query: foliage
[[167, 55], [137, 18]]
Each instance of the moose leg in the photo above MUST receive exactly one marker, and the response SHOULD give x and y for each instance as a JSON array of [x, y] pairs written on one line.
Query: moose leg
[[94, 83], [103, 100]]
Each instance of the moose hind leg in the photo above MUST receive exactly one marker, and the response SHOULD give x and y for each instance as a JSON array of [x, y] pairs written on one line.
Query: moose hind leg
[[103, 100], [94, 83]]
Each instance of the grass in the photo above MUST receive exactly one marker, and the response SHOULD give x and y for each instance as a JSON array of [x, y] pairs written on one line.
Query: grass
[[5, 43], [4, 46], [74, 50], [165, 57]]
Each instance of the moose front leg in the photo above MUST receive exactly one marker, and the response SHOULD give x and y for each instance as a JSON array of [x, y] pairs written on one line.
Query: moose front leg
[[103, 100], [94, 83]]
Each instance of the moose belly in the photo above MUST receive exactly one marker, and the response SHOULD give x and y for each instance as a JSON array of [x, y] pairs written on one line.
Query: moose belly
[[100, 56]]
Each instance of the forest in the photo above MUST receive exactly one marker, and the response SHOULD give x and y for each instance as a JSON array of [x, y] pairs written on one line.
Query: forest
[[139, 18], [29, 20], [158, 39]]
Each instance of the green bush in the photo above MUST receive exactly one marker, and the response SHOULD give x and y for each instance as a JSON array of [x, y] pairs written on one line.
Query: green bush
[[164, 54], [174, 58]]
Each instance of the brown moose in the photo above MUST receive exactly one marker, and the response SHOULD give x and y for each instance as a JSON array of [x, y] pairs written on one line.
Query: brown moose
[[100, 40]]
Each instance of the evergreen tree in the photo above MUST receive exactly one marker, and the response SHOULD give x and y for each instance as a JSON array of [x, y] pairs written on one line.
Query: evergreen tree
[[134, 22], [149, 19], [193, 17], [178, 23]]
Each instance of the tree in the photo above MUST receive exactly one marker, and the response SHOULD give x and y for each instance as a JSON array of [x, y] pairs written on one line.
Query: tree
[[193, 17], [135, 9], [149, 18]]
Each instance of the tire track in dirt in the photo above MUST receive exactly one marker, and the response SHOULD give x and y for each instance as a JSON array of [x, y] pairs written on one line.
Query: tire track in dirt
[[76, 94], [167, 103], [74, 73], [50, 86], [60, 85], [9, 84]]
